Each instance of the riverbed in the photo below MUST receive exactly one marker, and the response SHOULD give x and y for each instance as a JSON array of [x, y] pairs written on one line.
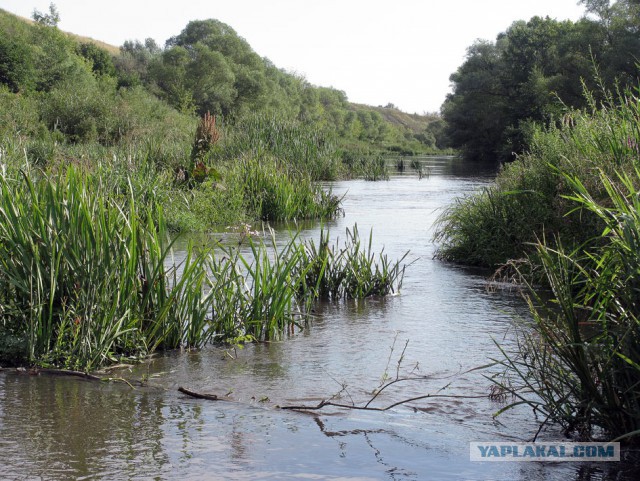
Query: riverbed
[[441, 327]]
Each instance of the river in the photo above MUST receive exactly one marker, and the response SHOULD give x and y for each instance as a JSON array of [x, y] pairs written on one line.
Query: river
[[68, 428]]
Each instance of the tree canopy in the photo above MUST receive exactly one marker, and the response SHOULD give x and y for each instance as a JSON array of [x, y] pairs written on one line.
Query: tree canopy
[[533, 70], [207, 67]]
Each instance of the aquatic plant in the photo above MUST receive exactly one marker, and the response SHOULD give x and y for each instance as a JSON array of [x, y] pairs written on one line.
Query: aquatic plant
[[418, 166], [352, 271], [299, 147], [528, 200], [69, 270], [275, 193], [578, 364], [263, 303], [87, 279], [365, 163]]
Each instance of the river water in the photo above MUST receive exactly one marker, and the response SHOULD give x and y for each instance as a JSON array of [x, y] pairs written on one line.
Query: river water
[[67, 428]]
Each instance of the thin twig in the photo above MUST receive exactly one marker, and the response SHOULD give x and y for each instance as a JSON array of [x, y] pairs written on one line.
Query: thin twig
[[323, 403]]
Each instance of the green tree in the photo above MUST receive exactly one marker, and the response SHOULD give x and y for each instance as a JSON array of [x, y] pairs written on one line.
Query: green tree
[[16, 67], [532, 72], [211, 80], [133, 63], [50, 19], [473, 111], [101, 61]]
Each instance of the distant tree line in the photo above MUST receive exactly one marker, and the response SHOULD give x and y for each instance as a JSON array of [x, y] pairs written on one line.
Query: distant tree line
[[536, 69], [81, 88], [208, 67]]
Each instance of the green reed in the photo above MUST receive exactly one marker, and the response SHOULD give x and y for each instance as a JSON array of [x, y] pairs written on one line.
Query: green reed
[[87, 277], [528, 199], [579, 363], [366, 164], [275, 193], [298, 146], [353, 271], [83, 277]]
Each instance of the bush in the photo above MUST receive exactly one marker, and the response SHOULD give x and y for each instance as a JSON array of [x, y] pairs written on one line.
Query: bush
[[528, 199]]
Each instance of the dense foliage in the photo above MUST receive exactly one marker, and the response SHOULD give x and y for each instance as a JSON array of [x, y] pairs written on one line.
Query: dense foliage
[[533, 71], [528, 201], [103, 152], [208, 67], [578, 363], [565, 216], [65, 99]]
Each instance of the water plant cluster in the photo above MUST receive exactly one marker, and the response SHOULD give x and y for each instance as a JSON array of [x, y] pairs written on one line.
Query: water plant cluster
[[565, 218], [87, 278], [579, 364], [106, 154], [351, 271], [529, 199]]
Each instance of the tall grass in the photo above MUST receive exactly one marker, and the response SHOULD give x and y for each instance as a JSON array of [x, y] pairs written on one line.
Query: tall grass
[[353, 271], [579, 364], [86, 278], [273, 193], [72, 270], [298, 147], [256, 294], [366, 164], [528, 199]]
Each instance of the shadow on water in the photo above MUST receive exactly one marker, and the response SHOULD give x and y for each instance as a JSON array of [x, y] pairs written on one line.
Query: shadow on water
[[73, 429]]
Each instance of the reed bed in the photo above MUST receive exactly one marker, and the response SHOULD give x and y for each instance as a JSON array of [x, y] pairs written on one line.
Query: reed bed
[[299, 147], [77, 272], [87, 279], [353, 271], [578, 363], [365, 164], [273, 193]]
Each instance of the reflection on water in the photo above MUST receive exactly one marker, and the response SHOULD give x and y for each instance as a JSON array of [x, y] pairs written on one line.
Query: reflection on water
[[53, 428]]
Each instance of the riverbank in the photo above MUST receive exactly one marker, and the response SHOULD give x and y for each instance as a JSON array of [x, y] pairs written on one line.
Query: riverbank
[[565, 217], [445, 311]]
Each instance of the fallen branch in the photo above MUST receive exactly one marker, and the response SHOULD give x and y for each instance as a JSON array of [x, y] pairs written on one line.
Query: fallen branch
[[366, 407], [210, 397]]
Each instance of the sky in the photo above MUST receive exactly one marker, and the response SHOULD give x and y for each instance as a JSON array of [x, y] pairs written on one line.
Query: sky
[[377, 52]]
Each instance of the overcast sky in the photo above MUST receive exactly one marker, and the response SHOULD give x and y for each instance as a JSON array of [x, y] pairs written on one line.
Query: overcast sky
[[377, 52]]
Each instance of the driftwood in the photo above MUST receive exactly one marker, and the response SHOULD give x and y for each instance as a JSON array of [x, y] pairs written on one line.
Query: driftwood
[[66, 372], [325, 403], [210, 397]]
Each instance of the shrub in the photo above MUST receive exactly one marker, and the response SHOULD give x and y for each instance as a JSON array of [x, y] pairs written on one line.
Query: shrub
[[528, 199]]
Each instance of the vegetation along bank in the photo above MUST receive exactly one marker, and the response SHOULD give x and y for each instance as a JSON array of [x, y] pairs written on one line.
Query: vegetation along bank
[[564, 217], [107, 153]]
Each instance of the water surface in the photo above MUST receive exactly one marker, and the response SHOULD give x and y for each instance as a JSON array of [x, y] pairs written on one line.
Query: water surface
[[58, 428]]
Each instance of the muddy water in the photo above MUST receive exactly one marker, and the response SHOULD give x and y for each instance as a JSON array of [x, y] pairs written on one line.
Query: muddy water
[[57, 428]]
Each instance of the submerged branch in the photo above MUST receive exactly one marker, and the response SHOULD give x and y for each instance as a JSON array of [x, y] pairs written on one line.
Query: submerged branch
[[210, 397], [59, 372], [366, 407]]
